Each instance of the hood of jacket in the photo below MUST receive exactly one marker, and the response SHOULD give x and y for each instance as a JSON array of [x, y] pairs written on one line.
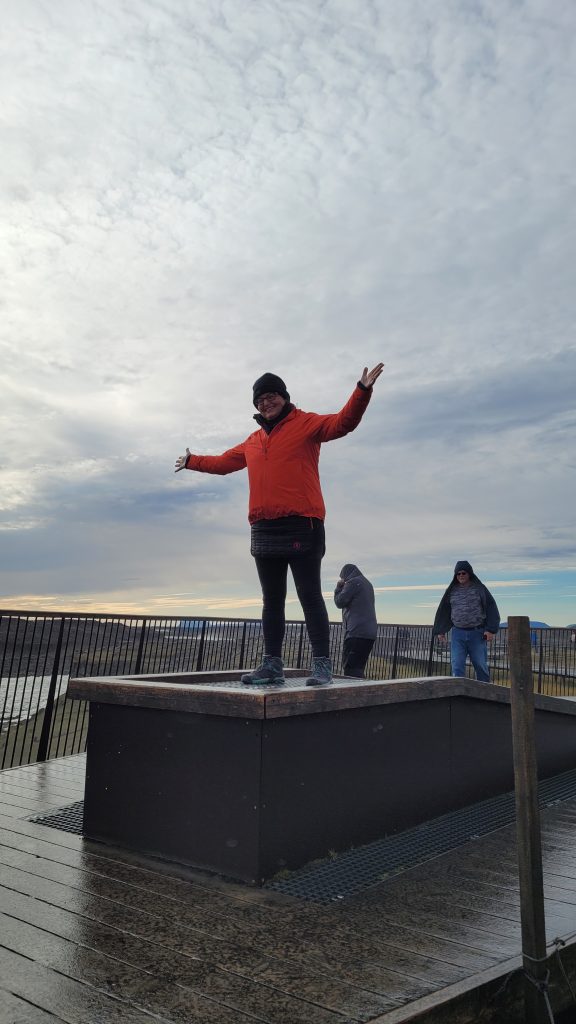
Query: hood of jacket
[[348, 571], [464, 566]]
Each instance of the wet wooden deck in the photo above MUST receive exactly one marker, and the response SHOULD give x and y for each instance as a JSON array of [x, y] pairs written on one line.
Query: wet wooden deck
[[91, 935]]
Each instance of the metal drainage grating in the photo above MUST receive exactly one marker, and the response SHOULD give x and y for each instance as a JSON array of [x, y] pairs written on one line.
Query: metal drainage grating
[[351, 872], [67, 819], [347, 874]]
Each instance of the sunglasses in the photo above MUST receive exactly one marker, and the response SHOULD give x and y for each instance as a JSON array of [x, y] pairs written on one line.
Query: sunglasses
[[264, 399]]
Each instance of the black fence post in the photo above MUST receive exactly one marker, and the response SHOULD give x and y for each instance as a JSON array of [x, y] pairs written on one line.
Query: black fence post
[[138, 665], [49, 709], [430, 655], [301, 641], [201, 648], [242, 647], [395, 655], [540, 660]]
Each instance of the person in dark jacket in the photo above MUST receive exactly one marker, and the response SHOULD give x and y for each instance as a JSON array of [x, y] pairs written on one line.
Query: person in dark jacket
[[467, 609], [354, 594]]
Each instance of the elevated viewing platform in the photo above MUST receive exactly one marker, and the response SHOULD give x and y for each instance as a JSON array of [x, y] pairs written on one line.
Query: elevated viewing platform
[[252, 781], [427, 930]]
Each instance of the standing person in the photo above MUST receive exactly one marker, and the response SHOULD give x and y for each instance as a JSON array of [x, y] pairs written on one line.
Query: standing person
[[471, 613], [286, 510], [354, 594]]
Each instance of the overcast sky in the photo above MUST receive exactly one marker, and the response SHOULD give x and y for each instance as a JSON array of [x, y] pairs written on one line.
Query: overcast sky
[[197, 191]]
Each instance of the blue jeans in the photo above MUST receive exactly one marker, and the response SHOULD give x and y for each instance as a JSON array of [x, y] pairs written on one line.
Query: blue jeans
[[469, 642]]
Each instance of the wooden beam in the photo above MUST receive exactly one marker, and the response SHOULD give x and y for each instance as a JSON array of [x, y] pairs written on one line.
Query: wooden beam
[[527, 821]]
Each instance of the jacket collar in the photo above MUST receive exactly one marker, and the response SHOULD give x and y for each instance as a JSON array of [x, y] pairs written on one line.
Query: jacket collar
[[268, 425]]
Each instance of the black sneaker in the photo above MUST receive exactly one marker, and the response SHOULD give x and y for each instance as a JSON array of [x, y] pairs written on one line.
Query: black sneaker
[[321, 673], [270, 671]]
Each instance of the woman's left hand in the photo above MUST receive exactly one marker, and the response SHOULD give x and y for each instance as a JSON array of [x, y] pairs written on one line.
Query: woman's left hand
[[369, 377]]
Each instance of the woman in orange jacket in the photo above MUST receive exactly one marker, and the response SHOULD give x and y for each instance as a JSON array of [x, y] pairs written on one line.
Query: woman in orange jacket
[[286, 510]]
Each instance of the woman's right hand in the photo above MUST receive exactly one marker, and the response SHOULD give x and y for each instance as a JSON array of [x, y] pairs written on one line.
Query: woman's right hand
[[181, 461]]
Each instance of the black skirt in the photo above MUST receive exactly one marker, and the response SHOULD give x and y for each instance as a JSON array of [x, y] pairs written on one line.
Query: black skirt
[[287, 537]]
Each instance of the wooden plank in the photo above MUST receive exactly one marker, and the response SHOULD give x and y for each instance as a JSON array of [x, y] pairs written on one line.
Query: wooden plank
[[295, 979], [343, 695], [29, 780], [15, 807], [190, 692], [65, 791], [438, 904], [382, 974], [206, 994], [31, 804], [262, 929], [459, 887], [234, 703], [69, 1001], [358, 960], [14, 1010], [54, 836], [252, 966]]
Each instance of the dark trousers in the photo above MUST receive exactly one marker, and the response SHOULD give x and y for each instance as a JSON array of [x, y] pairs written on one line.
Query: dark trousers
[[355, 654], [273, 573]]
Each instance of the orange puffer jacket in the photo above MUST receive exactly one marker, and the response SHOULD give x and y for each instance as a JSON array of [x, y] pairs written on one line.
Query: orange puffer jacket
[[283, 465]]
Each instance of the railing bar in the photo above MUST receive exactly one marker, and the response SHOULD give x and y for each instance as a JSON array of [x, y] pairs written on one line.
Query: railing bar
[[71, 632], [11, 714], [149, 638], [91, 651], [123, 648], [47, 722], [66, 705], [31, 716], [9, 672], [140, 650], [20, 675], [160, 646], [180, 646]]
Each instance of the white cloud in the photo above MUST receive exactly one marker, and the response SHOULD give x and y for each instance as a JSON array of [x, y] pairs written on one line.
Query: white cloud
[[194, 195]]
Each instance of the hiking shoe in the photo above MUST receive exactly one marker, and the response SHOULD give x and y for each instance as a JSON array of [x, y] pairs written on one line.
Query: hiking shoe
[[321, 672], [270, 671]]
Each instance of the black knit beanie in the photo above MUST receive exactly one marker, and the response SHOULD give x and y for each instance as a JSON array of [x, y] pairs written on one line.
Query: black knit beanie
[[269, 383]]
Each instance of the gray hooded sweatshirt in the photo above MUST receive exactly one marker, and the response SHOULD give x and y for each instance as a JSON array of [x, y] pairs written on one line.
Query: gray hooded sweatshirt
[[355, 596]]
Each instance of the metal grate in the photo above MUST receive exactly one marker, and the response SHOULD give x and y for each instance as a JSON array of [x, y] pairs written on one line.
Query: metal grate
[[67, 819], [347, 874]]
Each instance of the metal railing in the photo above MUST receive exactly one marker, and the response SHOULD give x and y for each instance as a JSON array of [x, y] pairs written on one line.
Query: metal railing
[[39, 651]]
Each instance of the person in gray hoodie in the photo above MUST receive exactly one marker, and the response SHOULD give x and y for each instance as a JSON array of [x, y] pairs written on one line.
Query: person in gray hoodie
[[354, 594]]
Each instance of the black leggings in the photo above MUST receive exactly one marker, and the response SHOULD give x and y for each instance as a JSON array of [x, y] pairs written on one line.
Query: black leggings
[[273, 573]]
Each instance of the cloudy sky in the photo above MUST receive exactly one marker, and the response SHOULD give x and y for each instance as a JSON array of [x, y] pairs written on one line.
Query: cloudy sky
[[196, 191]]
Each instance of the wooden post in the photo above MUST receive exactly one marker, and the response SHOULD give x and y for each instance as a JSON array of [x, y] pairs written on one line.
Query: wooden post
[[527, 818]]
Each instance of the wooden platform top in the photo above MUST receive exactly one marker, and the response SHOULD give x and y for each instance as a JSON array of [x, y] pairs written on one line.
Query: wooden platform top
[[221, 693]]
